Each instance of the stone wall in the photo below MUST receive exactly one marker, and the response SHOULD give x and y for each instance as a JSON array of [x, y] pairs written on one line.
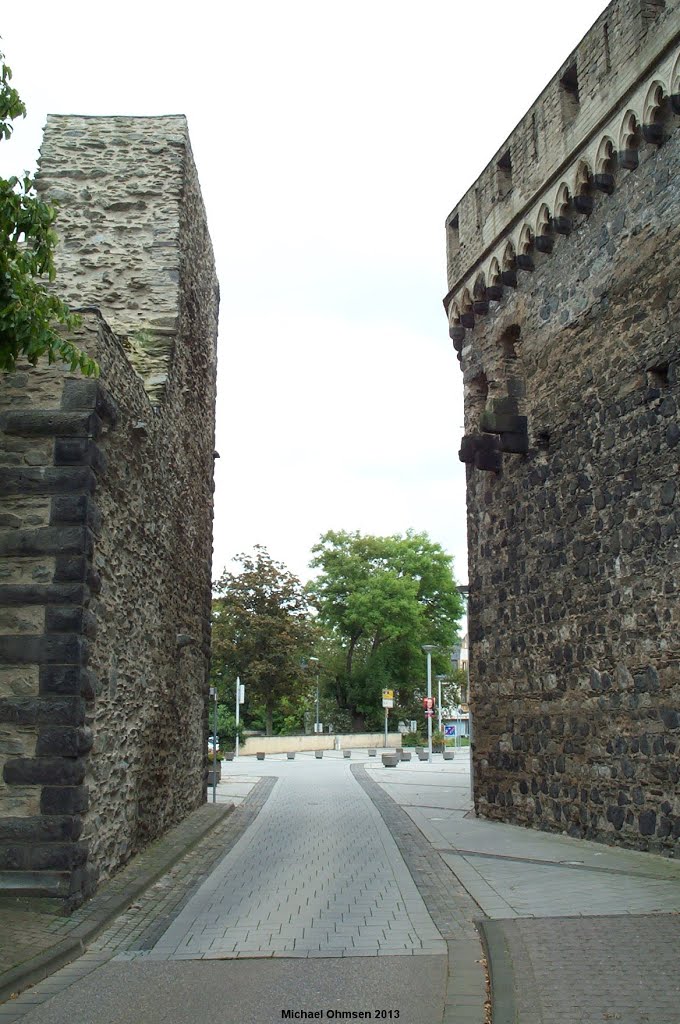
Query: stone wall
[[319, 741], [106, 519], [565, 318]]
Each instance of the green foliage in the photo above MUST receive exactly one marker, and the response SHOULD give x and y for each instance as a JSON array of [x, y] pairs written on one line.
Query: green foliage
[[226, 726], [29, 312], [261, 632], [439, 741], [454, 688], [379, 599], [412, 739]]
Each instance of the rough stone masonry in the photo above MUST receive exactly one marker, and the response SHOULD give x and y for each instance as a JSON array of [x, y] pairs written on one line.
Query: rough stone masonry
[[106, 519], [563, 306]]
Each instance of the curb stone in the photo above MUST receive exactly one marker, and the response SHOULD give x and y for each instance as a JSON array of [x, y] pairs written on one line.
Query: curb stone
[[454, 912], [500, 972]]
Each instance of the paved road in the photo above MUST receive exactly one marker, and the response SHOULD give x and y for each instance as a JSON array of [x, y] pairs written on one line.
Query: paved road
[[249, 991]]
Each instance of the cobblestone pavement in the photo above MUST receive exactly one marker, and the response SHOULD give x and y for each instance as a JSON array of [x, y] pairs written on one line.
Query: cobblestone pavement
[[576, 932], [452, 909]]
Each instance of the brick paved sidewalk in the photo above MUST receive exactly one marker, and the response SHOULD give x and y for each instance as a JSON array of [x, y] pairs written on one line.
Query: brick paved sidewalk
[[576, 932], [361, 864]]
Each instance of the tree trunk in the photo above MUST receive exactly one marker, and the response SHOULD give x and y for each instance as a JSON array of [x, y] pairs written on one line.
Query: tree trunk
[[353, 641], [358, 721]]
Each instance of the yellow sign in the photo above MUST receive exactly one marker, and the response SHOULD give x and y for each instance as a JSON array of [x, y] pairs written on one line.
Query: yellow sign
[[388, 694]]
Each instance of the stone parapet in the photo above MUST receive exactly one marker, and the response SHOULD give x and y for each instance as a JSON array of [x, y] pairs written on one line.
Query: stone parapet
[[613, 101]]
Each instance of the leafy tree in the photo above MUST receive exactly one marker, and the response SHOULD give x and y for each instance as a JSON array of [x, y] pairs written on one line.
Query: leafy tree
[[261, 632], [379, 599], [29, 312], [226, 726]]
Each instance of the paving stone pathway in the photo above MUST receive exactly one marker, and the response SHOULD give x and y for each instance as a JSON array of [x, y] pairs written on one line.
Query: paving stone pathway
[[317, 874]]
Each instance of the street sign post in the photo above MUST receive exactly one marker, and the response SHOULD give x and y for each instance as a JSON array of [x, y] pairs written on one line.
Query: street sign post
[[387, 703], [428, 704], [240, 698]]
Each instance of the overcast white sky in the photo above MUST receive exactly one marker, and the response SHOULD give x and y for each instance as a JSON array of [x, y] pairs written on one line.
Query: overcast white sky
[[331, 139]]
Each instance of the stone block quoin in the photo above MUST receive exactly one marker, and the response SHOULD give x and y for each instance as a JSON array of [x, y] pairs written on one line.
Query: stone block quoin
[[48, 527], [563, 308], [106, 519]]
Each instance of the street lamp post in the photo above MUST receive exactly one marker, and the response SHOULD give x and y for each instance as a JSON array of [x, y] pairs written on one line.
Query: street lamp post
[[240, 697], [440, 680], [316, 724], [213, 697], [429, 648]]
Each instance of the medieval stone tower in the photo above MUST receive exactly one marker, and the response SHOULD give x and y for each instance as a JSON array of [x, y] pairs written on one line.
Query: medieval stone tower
[[106, 519], [564, 308]]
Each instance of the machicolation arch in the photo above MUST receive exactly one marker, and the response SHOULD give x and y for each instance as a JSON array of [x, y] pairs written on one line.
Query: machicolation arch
[[653, 112]]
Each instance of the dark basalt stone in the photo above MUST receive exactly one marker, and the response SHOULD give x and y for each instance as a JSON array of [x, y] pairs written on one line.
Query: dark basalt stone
[[604, 183], [584, 204], [653, 133], [629, 159]]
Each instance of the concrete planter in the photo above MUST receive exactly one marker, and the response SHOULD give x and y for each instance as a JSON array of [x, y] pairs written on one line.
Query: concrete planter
[[372, 751], [390, 760], [405, 755], [290, 755], [448, 755], [318, 754], [260, 755], [347, 753], [423, 755], [229, 755]]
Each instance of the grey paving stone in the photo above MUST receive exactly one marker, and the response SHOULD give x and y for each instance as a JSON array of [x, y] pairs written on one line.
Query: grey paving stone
[[593, 969], [351, 873]]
